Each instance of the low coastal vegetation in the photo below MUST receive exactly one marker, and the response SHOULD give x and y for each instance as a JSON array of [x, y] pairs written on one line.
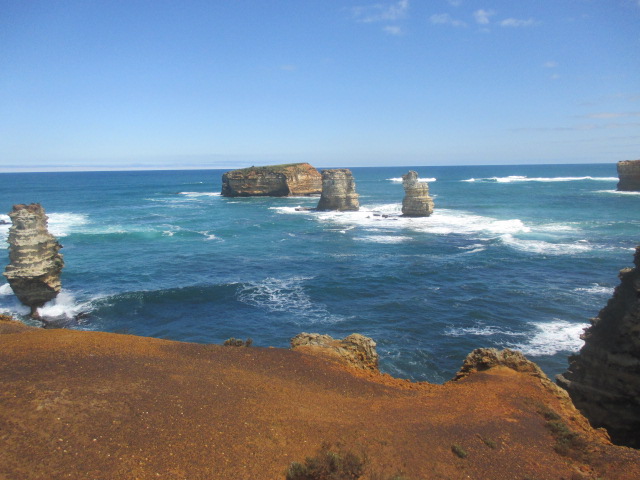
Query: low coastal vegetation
[[568, 443], [236, 342], [336, 464]]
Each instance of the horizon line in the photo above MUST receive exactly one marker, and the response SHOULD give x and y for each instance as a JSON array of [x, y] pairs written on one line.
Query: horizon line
[[158, 168]]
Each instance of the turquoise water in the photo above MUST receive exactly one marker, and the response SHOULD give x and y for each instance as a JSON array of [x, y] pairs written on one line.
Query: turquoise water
[[514, 256]]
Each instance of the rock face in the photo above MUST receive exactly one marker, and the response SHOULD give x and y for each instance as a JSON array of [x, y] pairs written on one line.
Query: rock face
[[355, 350], [629, 175], [295, 179], [603, 380], [338, 191], [416, 202], [34, 262]]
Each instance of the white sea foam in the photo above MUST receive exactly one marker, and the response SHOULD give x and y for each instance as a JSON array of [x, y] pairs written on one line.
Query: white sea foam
[[545, 248], [521, 178], [386, 221], [616, 192], [475, 248], [383, 238], [285, 295], [441, 222], [399, 179], [6, 289], [552, 337], [200, 194], [595, 288], [478, 330], [62, 224], [66, 307], [209, 235]]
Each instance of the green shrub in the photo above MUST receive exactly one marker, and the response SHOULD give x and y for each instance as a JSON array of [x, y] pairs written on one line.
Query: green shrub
[[328, 465], [236, 342], [459, 451]]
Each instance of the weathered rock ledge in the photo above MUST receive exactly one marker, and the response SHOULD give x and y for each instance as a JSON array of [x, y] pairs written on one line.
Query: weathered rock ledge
[[629, 175], [35, 263], [604, 378], [294, 179], [106, 406], [355, 350]]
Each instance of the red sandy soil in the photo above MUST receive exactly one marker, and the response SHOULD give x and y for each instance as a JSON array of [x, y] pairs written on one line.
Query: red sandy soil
[[90, 405]]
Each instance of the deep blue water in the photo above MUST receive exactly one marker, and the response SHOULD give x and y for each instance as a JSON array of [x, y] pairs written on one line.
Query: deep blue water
[[521, 257]]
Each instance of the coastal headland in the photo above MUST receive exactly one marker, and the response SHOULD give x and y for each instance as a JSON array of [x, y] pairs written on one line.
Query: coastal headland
[[80, 404]]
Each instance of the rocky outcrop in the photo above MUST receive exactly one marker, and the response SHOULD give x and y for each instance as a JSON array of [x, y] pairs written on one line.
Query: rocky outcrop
[[294, 179], [355, 350], [416, 202], [35, 263], [603, 380], [482, 359], [629, 175], [338, 191]]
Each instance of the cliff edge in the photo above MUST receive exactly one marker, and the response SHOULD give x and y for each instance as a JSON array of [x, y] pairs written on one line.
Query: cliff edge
[[79, 404], [294, 179], [603, 379]]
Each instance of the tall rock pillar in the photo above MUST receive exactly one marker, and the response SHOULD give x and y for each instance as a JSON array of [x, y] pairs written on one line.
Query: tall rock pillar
[[338, 191], [603, 380], [416, 202], [35, 263]]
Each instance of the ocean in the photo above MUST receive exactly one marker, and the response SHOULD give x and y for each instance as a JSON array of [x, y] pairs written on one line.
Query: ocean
[[515, 256]]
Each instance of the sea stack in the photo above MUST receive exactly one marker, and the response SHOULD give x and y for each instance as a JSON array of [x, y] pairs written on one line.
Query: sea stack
[[629, 176], [603, 380], [338, 191], [35, 263], [294, 179], [416, 202]]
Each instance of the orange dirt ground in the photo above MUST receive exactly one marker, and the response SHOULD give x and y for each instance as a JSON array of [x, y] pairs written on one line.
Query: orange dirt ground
[[90, 405]]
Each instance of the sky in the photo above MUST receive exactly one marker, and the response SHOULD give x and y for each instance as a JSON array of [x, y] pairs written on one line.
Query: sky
[[144, 84]]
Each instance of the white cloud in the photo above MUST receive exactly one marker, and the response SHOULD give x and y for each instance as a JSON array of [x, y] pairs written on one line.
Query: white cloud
[[393, 30], [482, 16], [381, 12], [606, 115], [457, 3], [446, 19], [550, 64], [515, 22]]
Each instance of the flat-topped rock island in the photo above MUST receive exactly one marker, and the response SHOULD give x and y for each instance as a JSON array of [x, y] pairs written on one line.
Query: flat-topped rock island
[[287, 180]]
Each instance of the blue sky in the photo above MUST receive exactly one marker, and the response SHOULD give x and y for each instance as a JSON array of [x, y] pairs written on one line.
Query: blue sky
[[229, 83]]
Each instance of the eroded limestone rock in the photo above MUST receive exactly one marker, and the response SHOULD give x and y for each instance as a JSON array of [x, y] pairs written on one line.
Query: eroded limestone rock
[[485, 358], [603, 380], [356, 350], [35, 263], [629, 175], [338, 191], [295, 179], [416, 202]]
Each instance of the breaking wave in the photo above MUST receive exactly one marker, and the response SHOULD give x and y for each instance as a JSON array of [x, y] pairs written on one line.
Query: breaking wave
[[553, 337], [521, 178], [200, 194], [546, 248]]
